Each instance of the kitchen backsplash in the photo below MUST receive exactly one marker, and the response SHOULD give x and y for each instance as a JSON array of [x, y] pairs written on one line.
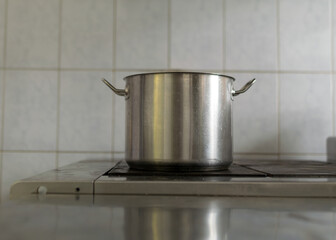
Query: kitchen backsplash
[[55, 110]]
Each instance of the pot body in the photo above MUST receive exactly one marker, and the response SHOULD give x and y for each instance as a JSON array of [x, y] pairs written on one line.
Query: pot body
[[179, 121]]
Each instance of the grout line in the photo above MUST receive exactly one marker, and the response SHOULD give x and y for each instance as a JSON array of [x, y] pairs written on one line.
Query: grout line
[[3, 94], [58, 82], [332, 84], [114, 59], [170, 70], [277, 78], [169, 35], [122, 152], [224, 35], [114, 37]]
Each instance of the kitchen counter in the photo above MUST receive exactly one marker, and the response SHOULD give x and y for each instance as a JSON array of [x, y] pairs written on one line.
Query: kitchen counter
[[166, 217]]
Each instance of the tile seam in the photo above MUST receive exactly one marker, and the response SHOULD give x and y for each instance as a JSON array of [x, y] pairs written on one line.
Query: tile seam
[[58, 111], [278, 98], [114, 64], [332, 84], [169, 36], [118, 152], [163, 70], [3, 95], [224, 34]]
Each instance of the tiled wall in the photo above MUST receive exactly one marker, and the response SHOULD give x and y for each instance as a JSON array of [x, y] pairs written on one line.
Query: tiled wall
[[55, 110]]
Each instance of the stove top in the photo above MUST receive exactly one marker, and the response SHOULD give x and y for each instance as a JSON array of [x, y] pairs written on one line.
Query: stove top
[[261, 168], [263, 178]]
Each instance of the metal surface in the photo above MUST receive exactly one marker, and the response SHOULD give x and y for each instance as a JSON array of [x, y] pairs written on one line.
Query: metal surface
[[123, 170], [77, 178], [178, 121], [244, 88], [120, 92], [331, 149], [91, 178], [160, 217]]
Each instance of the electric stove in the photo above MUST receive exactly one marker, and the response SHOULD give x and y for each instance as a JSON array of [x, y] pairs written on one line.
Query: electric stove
[[259, 178]]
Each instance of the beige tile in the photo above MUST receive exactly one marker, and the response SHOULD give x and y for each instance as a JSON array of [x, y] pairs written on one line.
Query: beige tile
[[305, 37], [68, 158], [87, 34], [85, 112], [30, 110], [250, 37], [142, 34], [197, 34], [32, 33], [255, 128], [2, 31], [305, 113]]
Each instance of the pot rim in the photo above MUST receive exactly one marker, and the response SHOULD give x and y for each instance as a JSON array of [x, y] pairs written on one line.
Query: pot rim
[[181, 72]]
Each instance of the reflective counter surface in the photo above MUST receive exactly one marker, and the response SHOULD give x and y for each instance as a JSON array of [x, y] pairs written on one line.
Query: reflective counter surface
[[166, 217]]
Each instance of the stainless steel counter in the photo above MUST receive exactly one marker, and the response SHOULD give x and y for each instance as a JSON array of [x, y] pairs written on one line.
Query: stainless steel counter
[[83, 201], [166, 217]]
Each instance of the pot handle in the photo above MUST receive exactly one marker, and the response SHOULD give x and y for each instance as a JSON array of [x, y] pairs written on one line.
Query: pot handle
[[120, 92], [244, 88]]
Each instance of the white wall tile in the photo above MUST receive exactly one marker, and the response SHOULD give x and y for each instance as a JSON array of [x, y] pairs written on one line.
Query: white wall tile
[[30, 110], [305, 35], [255, 128], [68, 158], [85, 112], [87, 34], [17, 166], [142, 34], [251, 41], [197, 34], [32, 33], [2, 31], [305, 112]]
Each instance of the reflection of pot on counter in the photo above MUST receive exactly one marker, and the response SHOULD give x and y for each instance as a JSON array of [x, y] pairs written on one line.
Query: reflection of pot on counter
[[177, 223]]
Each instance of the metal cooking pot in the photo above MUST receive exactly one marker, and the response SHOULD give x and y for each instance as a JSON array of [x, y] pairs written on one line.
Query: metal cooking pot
[[179, 120]]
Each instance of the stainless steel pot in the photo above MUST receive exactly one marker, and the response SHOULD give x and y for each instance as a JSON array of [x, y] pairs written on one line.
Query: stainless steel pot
[[179, 120]]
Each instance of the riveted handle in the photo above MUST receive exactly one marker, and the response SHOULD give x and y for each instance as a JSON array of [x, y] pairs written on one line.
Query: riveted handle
[[244, 88], [120, 92]]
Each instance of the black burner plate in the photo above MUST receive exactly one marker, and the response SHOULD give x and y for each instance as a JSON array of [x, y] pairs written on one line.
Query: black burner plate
[[286, 168], [241, 168], [122, 169]]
